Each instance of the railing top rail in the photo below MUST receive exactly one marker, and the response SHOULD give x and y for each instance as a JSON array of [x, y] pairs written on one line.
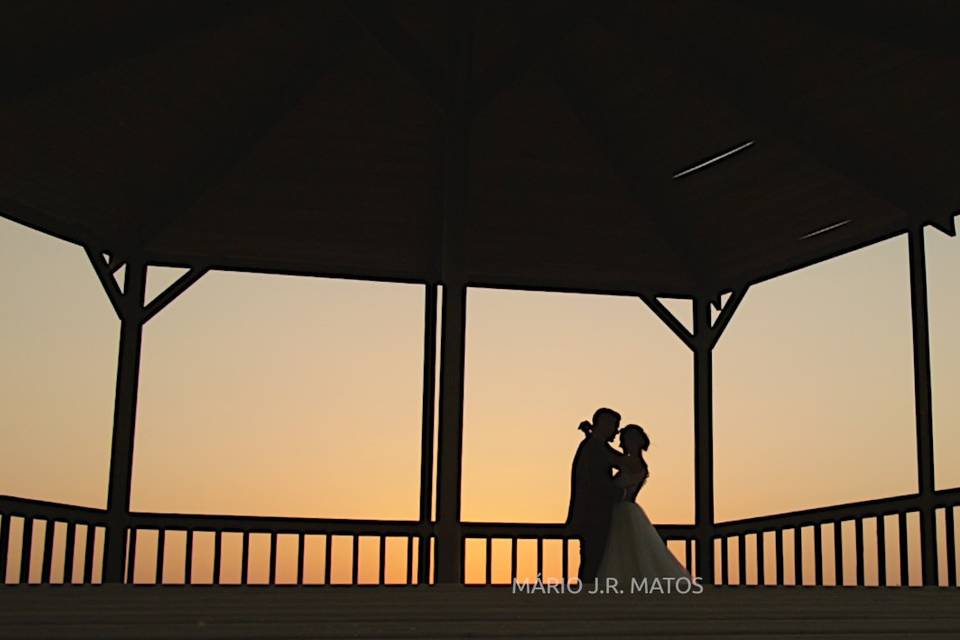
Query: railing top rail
[[275, 523], [46, 509], [540, 530], [865, 508]]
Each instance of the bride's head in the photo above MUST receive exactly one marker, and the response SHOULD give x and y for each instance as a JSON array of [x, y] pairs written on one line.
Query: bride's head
[[633, 440]]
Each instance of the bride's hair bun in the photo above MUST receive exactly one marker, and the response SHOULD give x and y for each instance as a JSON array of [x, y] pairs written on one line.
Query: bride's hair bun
[[586, 427]]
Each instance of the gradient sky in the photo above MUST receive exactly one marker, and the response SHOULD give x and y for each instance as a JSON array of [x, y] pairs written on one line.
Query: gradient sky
[[298, 396]]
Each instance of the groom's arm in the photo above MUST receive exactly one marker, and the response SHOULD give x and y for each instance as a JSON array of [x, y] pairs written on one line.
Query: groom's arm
[[597, 474], [614, 457]]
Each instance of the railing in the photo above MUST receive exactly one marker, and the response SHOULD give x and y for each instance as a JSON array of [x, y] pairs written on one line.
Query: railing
[[74, 537], [416, 540], [870, 521], [486, 534], [415, 537], [87, 522]]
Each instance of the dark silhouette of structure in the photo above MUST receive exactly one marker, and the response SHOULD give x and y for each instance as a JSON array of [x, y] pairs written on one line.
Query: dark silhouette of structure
[[707, 146]]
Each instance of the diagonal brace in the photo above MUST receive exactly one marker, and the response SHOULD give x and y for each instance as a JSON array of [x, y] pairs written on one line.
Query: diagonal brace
[[135, 311], [668, 319], [946, 224], [172, 292], [726, 314], [105, 275]]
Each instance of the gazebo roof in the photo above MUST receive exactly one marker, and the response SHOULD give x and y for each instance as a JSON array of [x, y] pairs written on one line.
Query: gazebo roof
[[364, 140]]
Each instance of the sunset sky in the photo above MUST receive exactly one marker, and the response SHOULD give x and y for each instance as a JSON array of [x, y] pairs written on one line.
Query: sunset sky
[[296, 396]]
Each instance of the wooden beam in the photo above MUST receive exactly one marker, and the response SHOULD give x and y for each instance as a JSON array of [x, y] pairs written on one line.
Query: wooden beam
[[124, 419], [923, 404], [647, 192], [427, 426], [703, 438], [100, 39], [543, 35], [448, 549], [726, 314], [206, 171], [946, 224], [378, 20], [105, 276], [448, 560], [668, 319], [172, 292], [773, 119]]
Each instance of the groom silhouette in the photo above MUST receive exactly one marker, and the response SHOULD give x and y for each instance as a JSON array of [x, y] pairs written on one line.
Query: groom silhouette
[[592, 491]]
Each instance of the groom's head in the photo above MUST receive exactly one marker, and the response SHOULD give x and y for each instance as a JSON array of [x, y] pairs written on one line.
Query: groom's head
[[605, 424]]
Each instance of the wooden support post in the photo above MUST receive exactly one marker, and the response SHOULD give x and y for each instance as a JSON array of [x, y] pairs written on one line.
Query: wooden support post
[[124, 419], [923, 404], [449, 540], [449, 445], [426, 435], [129, 306], [703, 340]]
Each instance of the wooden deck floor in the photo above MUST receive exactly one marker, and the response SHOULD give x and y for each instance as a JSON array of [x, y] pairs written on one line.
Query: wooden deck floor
[[121, 611]]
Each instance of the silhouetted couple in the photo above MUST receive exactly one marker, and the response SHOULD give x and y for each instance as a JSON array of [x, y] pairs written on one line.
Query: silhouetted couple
[[617, 539]]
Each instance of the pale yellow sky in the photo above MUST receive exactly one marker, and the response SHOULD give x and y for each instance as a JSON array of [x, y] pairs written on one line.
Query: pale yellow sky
[[299, 396]]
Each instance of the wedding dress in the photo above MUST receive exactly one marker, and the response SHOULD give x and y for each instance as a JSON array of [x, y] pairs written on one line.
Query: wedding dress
[[634, 549]]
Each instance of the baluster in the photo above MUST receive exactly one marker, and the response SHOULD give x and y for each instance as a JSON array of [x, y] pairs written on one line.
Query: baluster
[[132, 554], [26, 547], [818, 554], [513, 559], [798, 556], [904, 566], [188, 559], [217, 544], [47, 551], [742, 559], [539, 556], [355, 569], [951, 548], [68, 554], [838, 576], [382, 578], [161, 539], [881, 551], [761, 568], [300, 556], [244, 558], [858, 523], [724, 565], [88, 554], [566, 560], [327, 555], [4, 544], [488, 576], [420, 559], [273, 558], [779, 556]]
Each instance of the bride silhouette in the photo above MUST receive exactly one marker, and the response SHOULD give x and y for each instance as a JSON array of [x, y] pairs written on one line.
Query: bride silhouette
[[633, 549]]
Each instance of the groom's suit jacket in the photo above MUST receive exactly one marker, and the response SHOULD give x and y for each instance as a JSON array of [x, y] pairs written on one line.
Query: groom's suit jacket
[[592, 492]]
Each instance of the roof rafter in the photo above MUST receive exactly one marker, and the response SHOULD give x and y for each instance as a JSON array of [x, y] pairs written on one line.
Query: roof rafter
[[541, 41], [643, 189], [208, 170], [377, 19], [111, 40]]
